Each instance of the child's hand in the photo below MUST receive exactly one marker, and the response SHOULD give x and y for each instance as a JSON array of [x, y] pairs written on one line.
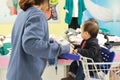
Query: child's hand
[[75, 51], [71, 48]]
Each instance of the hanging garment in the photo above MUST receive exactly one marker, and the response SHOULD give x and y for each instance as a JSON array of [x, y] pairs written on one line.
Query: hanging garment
[[69, 7], [16, 5], [75, 8], [74, 23], [11, 7]]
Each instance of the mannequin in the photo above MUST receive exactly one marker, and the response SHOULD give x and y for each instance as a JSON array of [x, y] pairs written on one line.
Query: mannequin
[[74, 10]]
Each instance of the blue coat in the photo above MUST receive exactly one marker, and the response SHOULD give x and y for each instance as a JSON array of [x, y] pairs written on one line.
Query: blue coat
[[31, 46], [69, 6]]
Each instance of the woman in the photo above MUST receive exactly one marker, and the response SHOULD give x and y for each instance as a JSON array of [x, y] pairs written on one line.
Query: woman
[[30, 42]]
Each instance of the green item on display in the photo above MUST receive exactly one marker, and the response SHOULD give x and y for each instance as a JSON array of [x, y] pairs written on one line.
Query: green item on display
[[5, 49], [1, 50], [53, 2]]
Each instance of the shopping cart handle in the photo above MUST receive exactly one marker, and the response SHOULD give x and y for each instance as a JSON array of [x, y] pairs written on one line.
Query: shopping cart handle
[[71, 56]]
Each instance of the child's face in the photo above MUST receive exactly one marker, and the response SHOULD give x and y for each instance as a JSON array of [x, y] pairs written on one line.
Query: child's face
[[84, 34]]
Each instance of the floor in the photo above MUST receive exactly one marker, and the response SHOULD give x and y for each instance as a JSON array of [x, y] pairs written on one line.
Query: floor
[[49, 73]]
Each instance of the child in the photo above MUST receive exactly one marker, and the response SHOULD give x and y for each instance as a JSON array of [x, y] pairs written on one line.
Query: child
[[88, 48]]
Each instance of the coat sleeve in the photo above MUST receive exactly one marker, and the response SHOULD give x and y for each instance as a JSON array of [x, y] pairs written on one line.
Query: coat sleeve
[[91, 52], [66, 5], [33, 39], [83, 6]]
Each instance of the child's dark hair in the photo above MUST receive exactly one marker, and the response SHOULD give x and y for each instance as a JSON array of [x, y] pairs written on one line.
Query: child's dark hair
[[92, 20], [25, 4], [91, 26]]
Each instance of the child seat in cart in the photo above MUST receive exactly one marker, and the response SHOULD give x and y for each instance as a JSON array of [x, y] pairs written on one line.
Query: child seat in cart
[[100, 69]]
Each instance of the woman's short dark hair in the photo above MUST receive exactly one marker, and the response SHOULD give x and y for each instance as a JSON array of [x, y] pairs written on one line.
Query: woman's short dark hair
[[25, 4], [91, 26]]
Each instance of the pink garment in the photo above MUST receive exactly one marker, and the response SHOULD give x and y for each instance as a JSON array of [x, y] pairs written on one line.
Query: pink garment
[[4, 61], [117, 57]]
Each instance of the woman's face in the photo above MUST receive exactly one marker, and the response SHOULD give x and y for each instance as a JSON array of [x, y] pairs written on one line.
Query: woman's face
[[45, 6]]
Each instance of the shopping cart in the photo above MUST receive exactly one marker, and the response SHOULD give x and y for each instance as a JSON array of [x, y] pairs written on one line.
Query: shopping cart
[[100, 71]]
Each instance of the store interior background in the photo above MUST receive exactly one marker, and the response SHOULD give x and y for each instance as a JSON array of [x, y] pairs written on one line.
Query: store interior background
[[111, 26], [57, 28], [60, 27]]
